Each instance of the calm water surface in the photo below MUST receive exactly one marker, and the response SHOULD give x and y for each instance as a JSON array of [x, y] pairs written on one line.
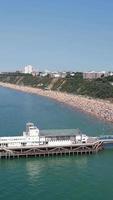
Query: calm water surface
[[58, 178]]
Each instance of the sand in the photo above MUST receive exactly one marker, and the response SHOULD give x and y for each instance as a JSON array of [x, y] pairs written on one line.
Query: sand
[[102, 109]]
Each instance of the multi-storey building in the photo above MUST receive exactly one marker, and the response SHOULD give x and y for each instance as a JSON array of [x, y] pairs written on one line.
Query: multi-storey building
[[28, 69], [94, 75]]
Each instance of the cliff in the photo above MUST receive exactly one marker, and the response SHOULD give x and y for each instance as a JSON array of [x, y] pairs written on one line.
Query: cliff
[[99, 88]]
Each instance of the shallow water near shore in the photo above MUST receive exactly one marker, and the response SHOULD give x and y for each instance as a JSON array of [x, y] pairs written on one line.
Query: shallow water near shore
[[65, 178]]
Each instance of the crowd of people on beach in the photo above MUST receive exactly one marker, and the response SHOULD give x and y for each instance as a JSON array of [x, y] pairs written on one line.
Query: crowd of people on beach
[[97, 107]]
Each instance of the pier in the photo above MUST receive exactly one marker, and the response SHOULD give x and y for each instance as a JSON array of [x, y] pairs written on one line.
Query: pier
[[46, 143], [46, 151]]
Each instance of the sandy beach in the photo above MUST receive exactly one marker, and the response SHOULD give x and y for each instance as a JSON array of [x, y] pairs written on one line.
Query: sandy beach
[[100, 108]]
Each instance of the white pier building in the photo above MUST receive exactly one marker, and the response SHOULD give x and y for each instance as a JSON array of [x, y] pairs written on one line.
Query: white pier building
[[32, 138]]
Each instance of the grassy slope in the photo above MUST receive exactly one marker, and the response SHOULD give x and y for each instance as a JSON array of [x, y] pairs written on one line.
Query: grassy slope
[[99, 88]]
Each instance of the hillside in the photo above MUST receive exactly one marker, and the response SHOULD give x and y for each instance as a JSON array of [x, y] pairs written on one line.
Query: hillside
[[99, 88]]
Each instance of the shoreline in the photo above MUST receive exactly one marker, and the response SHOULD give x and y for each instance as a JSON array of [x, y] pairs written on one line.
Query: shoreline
[[101, 109]]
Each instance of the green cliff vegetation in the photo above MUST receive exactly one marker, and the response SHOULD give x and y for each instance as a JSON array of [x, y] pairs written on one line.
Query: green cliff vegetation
[[98, 88]]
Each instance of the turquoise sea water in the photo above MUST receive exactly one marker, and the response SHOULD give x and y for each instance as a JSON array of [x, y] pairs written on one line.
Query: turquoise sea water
[[58, 178]]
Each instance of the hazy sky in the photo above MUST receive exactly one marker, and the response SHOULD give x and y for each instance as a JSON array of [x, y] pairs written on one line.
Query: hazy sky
[[56, 34]]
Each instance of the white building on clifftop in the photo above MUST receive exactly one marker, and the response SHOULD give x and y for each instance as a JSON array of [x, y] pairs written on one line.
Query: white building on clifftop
[[28, 69]]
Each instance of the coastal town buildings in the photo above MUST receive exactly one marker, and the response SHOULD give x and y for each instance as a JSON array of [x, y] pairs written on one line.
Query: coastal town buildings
[[43, 73], [58, 74], [28, 69], [54, 74], [110, 73], [94, 75]]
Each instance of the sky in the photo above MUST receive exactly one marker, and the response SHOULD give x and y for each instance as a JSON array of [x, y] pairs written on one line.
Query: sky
[[74, 35]]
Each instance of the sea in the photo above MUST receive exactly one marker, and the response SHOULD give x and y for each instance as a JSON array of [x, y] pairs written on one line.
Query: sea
[[88, 177]]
